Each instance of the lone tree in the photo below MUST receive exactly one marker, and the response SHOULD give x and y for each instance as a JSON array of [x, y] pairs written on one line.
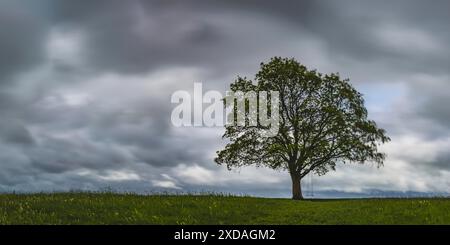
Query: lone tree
[[323, 121]]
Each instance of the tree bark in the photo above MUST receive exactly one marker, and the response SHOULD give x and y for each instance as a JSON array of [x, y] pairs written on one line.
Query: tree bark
[[296, 187]]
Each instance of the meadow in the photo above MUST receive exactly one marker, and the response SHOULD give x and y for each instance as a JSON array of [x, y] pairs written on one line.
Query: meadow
[[111, 208]]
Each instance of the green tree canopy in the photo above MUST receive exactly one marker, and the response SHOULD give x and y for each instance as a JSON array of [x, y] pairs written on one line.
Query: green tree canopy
[[323, 121]]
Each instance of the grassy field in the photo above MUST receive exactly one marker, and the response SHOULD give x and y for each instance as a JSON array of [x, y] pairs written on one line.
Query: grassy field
[[109, 208]]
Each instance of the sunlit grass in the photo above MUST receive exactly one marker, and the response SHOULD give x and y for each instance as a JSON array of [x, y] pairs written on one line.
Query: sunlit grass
[[111, 208]]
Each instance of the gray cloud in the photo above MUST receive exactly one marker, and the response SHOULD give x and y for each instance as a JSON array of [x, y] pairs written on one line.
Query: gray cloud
[[136, 36], [22, 39], [14, 132]]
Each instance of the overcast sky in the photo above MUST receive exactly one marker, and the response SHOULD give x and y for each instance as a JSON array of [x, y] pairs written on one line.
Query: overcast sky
[[85, 89]]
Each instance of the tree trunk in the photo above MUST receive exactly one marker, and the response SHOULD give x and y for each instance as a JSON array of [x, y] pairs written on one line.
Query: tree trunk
[[296, 187]]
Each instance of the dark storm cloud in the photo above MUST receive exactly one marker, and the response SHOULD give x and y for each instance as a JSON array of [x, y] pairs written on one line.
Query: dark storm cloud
[[135, 36], [441, 162], [434, 94], [47, 138], [6, 101], [22, 41], [94, 137], [408, 36], [14, 132], [55, 155], [436, 108]]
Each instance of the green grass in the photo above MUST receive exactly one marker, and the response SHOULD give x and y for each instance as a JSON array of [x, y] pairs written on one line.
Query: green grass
[[109, 208]]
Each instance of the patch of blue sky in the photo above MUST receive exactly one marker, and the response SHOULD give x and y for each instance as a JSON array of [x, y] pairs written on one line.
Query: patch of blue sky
[[381, 96]]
